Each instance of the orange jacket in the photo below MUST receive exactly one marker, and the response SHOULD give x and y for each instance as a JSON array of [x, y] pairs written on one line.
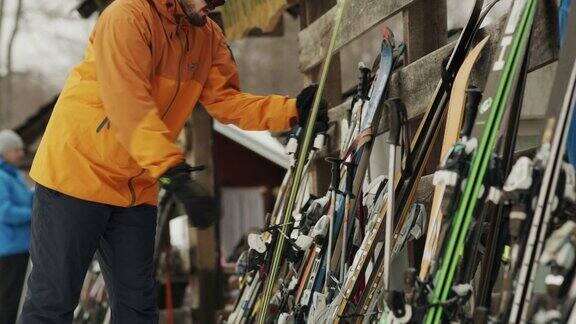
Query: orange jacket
[[144, 70]]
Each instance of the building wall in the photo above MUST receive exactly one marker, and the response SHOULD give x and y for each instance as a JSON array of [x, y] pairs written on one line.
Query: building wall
[[236, 166]]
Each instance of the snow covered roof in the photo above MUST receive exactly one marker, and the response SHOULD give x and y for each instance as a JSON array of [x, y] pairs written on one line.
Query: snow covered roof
[[260, 142]]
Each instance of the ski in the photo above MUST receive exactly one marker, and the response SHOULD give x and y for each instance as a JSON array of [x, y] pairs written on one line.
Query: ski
[[492, 216], [441, 179]]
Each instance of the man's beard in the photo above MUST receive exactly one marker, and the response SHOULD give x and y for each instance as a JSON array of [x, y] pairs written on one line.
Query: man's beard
[[193, 11], [197, 19]]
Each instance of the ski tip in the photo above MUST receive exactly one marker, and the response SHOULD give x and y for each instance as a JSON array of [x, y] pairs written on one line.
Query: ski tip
[[388, 35]]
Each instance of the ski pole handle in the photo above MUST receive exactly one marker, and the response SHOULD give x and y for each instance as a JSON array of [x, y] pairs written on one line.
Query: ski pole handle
[[395, 108], [473, 97], [364, 84], [335, 170]]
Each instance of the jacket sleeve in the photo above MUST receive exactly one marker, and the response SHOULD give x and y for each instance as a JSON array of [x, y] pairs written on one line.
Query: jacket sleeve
[[123, 62], [10, 213], [225, 102]]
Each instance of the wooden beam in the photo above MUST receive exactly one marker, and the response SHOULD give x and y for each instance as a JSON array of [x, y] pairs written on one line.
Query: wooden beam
[[205, 252], [359, 17]]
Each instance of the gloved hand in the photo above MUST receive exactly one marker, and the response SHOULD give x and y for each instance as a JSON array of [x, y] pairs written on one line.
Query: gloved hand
[[304, 103], [200, 206]]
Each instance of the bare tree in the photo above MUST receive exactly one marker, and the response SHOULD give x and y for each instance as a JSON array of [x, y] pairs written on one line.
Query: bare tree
[[13, 37], [9, 95]]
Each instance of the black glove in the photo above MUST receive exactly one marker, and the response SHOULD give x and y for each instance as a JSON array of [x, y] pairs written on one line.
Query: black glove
[[200, 206], [304, 103]]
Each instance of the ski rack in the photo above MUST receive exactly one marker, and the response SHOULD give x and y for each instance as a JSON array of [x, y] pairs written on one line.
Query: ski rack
[[412, 91]]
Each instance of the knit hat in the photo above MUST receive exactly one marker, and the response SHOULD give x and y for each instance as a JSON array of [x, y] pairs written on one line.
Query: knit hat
[[9, 140]]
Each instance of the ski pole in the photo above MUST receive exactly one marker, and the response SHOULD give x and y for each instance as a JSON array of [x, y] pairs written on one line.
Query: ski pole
[[277, 255], [395, 108], [348, 193], [334, 183]]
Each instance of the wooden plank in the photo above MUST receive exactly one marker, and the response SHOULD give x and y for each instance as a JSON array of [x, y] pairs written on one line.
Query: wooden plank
[[359, 17], [416, 83], [204, 253]]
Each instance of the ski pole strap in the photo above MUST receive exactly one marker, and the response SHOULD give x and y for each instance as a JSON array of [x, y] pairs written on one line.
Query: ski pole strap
[[350, 178], [364, 137]]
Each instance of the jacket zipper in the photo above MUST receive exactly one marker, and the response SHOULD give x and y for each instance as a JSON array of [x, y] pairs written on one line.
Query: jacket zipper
[[178, 75], [132, 190], [178, 81]]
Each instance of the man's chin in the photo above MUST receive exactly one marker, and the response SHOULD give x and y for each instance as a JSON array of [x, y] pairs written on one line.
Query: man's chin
[[198, 20]]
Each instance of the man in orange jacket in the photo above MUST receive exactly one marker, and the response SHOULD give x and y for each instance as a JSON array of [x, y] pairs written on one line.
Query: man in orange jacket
[[110, 141]]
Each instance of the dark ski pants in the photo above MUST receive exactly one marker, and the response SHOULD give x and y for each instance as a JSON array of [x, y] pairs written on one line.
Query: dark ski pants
[[12, 273], [66, 232]]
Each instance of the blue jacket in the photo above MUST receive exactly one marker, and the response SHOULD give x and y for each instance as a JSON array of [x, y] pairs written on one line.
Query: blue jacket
[[15, 211]]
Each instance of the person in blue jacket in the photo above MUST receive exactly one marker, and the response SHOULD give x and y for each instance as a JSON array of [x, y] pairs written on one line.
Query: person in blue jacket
[[15, 213]]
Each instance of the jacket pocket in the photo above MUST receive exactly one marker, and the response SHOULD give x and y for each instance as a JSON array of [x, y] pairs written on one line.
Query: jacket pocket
[[109, 149], [97, 142]]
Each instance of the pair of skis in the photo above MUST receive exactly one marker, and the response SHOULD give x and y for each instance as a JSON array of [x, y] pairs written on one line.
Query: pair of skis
[[501, 82]]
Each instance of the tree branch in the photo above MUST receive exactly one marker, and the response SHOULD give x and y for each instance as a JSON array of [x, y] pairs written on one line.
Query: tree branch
[[13, 36]]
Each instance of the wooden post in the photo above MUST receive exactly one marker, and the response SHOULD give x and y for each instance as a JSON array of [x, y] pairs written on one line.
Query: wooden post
[[204, 251], [424, 28], [310, 10], [425, 31]]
